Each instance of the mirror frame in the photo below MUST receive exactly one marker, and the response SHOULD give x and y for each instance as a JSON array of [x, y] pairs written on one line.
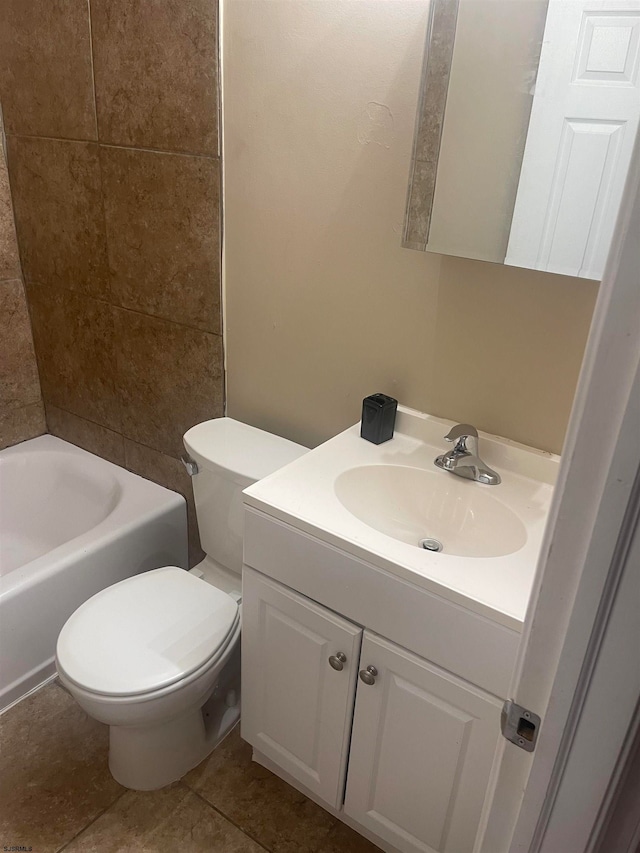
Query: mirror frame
[[436, 69]]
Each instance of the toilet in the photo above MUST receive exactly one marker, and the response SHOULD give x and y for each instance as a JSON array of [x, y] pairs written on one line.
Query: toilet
[[157, 656]]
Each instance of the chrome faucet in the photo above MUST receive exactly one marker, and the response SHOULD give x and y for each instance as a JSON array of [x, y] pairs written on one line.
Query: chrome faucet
[[464, 460]]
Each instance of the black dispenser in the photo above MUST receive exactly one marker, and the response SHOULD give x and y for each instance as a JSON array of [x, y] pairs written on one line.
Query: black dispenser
[[378, 418]]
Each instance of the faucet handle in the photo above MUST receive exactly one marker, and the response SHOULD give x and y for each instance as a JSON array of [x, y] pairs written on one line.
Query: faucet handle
[[465, 437], [461, 431]]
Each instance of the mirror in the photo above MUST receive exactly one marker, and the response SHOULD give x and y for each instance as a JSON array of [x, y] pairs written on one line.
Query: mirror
[[526, 122]]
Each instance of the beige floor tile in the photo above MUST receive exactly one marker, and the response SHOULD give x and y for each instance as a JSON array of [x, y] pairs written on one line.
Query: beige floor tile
[[54, 777], [171, 819], [342, 839], [261, 804]]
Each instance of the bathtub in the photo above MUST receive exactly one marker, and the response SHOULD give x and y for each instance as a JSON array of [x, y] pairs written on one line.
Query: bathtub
[[70, 525]]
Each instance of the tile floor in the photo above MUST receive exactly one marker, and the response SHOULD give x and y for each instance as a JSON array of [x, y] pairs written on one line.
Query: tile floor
[[56, 793]]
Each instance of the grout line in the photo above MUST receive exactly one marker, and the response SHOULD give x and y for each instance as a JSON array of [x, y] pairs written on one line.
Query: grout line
[[114, 432], [162, 319], [148, 447], [9, 410], [12, 208], [91, 822], [58, 287], [226, 817], [105, 225], [213, 157], [222, 205], [83, 418], [93, 73], [108, 280]]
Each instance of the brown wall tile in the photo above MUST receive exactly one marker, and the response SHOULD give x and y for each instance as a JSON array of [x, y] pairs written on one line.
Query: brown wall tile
[[114, 242], [92, 437], [19, 384], [169, 378], [21, 411], [74, 342], [45, 68], [169, 472], [156, 73], [162, 221], [9, 260], [18, 425], [57, 198]]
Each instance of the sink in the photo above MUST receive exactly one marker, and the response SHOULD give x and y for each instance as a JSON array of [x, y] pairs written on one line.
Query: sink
[[378, 503], [417, 506]]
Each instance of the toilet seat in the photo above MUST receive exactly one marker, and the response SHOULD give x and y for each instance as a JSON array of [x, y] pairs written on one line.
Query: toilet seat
[[147, 633], [183, 686]]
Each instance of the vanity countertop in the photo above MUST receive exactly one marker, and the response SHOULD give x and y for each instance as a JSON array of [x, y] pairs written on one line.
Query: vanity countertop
[[490, 573]]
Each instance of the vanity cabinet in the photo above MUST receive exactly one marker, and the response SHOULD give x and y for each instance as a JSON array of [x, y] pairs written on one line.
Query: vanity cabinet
[[414, 742]]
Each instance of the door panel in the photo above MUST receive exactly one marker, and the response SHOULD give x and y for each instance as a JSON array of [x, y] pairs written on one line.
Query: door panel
[[296, 709], [421, 752], [584, 121]]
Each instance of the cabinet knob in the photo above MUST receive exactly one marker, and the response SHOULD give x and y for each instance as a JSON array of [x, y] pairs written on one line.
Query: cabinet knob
[[338, 661], [368, 675]]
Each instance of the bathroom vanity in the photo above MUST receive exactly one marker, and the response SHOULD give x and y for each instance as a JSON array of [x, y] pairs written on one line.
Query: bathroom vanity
[[374, 670]]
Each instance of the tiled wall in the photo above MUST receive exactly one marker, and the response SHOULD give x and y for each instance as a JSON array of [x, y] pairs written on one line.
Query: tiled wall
[[111, 114], [21, 409]]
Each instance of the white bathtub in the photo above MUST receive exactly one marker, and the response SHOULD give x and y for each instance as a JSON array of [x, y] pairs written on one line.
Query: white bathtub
[[70, 525]]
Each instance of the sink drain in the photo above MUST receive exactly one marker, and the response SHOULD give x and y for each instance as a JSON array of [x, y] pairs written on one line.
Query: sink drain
[[430, 544]]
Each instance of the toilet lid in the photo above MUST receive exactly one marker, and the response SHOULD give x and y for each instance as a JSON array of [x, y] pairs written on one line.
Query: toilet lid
[[145, 632]]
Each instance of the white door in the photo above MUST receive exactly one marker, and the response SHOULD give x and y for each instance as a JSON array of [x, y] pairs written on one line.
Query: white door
[[570, 614], [296, 707], [584, 121], [422, 748]]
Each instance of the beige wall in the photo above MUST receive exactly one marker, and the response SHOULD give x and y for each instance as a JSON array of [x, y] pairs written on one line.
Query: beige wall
[[322, 304]]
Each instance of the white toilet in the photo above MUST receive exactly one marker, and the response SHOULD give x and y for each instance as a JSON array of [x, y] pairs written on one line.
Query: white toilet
[[157, 656]]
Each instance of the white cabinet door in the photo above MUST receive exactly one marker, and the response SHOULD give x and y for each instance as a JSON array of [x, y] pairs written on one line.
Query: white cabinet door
[[584, 120], [421, 752], [296, 708]]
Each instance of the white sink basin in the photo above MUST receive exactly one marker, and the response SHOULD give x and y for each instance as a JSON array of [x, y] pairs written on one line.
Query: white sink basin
[[376, 502], [414, 505]]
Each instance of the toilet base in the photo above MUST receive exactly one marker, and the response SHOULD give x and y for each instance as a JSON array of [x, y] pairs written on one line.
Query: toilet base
[[145, 758]]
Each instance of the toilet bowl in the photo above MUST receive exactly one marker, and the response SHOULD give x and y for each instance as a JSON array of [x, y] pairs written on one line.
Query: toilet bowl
[[157, 656]]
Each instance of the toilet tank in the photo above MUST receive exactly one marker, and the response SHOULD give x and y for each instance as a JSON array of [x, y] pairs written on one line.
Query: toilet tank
[[230, 456]]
